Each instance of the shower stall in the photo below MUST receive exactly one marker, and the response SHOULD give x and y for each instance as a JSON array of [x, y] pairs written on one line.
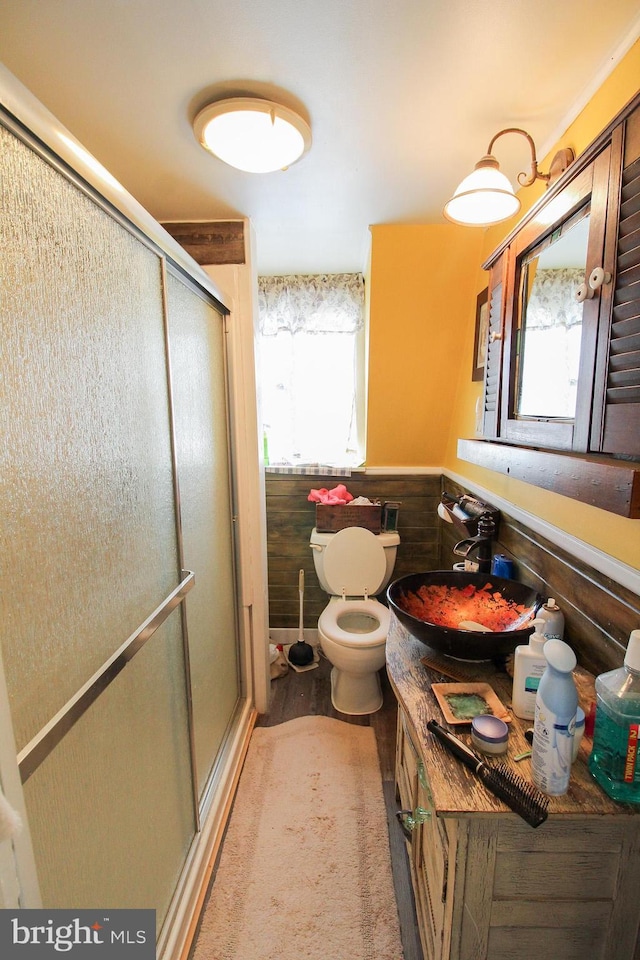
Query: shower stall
[[127, 650]]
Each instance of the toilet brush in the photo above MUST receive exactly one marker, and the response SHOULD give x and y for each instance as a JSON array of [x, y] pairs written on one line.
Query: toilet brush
[[300, 653]]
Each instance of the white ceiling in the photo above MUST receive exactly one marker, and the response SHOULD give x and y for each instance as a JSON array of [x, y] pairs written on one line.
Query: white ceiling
[[403, 98]]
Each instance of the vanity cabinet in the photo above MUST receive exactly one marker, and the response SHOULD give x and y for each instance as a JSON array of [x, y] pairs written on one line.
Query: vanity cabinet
[[594, 206], [430, 845], [487, 885]]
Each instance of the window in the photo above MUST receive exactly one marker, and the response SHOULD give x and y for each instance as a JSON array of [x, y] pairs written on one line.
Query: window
[[311, 357]]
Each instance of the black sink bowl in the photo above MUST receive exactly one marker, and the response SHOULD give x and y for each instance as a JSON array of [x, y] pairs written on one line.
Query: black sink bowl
[[431, 605]]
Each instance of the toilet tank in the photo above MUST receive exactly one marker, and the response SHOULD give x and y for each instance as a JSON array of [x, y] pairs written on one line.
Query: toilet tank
[[319, 541]]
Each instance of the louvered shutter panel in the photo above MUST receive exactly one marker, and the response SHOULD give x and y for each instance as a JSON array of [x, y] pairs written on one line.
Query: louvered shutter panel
[[622, 403], [493, 368]]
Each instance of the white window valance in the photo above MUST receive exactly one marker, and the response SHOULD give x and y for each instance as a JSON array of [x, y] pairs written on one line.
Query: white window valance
[[553, 302], [311, 363], [323, 303]]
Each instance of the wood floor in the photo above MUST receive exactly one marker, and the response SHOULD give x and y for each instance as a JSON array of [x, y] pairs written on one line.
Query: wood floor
[[309, 693]]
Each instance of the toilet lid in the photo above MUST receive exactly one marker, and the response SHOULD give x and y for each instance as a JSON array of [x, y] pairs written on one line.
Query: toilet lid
[[354, 562]]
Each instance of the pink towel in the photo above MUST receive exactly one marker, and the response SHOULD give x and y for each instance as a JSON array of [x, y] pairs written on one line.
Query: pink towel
[[338, 495]]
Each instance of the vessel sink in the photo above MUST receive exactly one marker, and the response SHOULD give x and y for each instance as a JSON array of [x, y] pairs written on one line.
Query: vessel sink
[[432, 606]]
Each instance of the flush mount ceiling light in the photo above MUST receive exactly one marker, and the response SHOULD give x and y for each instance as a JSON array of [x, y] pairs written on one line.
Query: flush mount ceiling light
[[486, 195], [251, 134]]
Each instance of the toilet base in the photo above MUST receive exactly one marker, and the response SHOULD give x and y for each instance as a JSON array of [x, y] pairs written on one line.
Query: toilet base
[[355, 694]]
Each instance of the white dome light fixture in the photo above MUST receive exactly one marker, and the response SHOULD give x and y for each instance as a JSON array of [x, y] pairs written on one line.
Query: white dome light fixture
[[486, 196], [252, 134]]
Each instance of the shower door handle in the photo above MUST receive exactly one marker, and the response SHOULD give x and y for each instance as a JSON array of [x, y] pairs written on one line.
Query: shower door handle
[[39, 748]]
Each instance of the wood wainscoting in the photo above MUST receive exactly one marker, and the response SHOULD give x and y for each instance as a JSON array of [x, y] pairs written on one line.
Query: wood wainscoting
[[291, 518], [599, 613]]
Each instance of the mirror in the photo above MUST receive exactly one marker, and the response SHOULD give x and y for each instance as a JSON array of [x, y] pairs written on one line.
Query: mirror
[[550, 327]]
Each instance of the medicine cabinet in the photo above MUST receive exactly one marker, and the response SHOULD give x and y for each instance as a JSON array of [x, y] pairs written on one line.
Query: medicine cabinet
[[563, 354]]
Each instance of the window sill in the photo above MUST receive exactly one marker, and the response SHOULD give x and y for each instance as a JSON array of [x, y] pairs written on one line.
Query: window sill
[[310, 470], [603, 482]]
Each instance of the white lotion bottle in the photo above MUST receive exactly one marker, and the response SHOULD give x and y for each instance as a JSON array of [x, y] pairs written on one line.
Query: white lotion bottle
[[529, 664], [555, 718]]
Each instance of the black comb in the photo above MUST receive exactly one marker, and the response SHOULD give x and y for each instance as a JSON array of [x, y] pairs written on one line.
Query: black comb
[[520, 795]]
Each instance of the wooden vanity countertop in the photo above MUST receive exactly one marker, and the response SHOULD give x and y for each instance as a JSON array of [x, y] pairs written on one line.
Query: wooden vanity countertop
[[456, 791]]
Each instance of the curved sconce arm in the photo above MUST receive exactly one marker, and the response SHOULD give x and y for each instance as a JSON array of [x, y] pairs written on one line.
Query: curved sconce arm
[[559, 164], [523, 179]]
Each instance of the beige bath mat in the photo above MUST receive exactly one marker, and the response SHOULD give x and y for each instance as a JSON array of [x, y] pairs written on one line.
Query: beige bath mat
[[305, 868]]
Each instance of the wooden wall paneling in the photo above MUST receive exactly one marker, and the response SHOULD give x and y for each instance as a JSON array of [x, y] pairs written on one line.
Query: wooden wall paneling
[[211, 242], [599, 613], [291, 517]]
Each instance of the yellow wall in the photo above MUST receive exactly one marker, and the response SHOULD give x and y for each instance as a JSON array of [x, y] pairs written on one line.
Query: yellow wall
[[423, 286], [422, 283]]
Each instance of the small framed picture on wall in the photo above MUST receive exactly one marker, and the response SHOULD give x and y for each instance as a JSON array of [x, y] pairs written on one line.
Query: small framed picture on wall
[[482, 335]]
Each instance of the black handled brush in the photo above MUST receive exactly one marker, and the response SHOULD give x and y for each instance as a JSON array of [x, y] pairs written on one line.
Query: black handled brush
[[523, 798]]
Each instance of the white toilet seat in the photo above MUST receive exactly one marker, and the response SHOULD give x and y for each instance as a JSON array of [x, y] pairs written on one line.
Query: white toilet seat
[[328, 623]]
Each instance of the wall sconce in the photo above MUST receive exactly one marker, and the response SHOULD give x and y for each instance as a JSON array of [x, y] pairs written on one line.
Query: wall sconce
[[252, 134], [486, 195]]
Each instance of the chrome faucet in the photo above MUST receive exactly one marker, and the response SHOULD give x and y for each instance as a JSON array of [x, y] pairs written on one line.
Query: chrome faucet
[[480, 543]]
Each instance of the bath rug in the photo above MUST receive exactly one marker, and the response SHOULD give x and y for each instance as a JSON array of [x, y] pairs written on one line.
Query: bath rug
[[305, 869]]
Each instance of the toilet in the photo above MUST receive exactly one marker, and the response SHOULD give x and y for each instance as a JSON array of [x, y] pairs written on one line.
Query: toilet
[[353, 565]]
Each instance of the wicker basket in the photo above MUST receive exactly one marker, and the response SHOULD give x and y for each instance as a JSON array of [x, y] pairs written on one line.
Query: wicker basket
[[330, 519]]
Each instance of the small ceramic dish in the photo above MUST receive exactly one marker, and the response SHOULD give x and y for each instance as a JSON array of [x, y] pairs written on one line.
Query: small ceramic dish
[[461, 702]]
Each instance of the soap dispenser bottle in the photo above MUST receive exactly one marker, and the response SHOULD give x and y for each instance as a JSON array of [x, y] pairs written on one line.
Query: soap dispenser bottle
[[555, 717], [529, 664], [614, 760]]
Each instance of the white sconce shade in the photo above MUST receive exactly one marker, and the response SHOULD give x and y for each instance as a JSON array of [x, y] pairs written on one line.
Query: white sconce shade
[[483, 198], [486, 196], [254, 135]]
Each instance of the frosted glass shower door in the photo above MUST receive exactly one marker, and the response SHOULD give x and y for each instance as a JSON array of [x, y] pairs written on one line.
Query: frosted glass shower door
[[199, 392], [89, 542]]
